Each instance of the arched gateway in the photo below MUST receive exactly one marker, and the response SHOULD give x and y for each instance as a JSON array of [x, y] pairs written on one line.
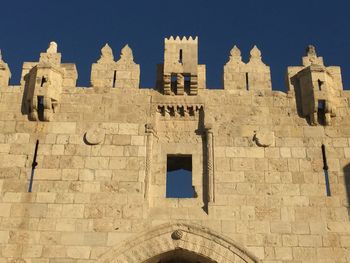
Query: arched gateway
[[178, 242]]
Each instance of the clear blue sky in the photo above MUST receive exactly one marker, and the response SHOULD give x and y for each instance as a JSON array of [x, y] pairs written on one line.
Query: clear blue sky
[[281, 29]]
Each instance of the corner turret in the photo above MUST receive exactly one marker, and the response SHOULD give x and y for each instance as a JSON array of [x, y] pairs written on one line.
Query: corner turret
[[44, 82], [317, 88]]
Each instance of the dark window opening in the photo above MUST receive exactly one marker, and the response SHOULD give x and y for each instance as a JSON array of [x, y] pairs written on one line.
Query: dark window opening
[[41, 108], [180, 56], [179, 177], [114, 78], [321, 110], [174, 83], [321, 105], [43, 81], [246, 81], [187, 83], [320, 83]]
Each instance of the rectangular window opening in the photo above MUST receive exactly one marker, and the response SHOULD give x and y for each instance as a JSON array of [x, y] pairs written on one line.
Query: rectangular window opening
[[180, 56], [187, 83], [246, 81], [179, 177], [43, 81], [321, 108], [319, 84], [114, 78], [174, 83], [40, 108]]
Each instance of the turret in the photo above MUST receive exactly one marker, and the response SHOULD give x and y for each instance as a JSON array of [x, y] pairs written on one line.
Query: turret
[[316, 86], [44, 83], [107, 73], [181, 72], [5, 73]]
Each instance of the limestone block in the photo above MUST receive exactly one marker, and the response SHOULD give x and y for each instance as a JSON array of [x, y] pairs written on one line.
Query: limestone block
[[62, 127], [116, 238], [46, 197], [48, 174], [95, 239], [5, 210], [112, 150], [347, 152], [69, 162], [12, 160], [72, 211], [128, 129], [29, 210], [283, 253], [280, 227], [4, 237], [32, 251], [78, 252]]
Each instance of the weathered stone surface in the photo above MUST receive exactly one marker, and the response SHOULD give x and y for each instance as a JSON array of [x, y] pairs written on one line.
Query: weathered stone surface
[[258, 188]]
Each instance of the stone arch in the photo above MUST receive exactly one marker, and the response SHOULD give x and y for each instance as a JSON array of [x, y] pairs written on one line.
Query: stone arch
[[174, 237]]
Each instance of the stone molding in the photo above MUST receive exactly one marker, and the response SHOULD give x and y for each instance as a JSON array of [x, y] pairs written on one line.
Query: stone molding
[[166, 237]]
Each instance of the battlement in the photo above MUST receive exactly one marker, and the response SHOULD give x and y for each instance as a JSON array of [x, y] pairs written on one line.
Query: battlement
[[312, 84], [184, 39]]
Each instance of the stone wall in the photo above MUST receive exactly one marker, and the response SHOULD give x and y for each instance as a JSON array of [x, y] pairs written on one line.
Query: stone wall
[[99, 184]]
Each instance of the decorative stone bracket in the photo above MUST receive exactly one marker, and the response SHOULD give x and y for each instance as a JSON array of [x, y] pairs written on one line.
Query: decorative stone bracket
[[179, 110]]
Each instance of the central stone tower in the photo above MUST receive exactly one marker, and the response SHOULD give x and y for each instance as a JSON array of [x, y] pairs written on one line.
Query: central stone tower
[[181, 72]]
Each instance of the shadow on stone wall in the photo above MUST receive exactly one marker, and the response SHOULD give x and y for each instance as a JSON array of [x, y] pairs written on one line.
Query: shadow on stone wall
[[297, 91], [24, 106], [201, 131], [346, 171]]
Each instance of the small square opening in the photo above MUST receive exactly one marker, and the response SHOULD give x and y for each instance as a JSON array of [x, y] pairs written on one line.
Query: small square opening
[[114, 79], [179, 177], [321, 110], [174, 83], [321, 105]]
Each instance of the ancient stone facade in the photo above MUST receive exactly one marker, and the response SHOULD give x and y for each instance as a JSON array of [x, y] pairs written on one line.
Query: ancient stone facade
[[83, 171]]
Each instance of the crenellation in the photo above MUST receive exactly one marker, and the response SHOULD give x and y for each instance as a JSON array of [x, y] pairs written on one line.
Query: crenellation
[[254, 75], [100, 184], [110, 74]]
